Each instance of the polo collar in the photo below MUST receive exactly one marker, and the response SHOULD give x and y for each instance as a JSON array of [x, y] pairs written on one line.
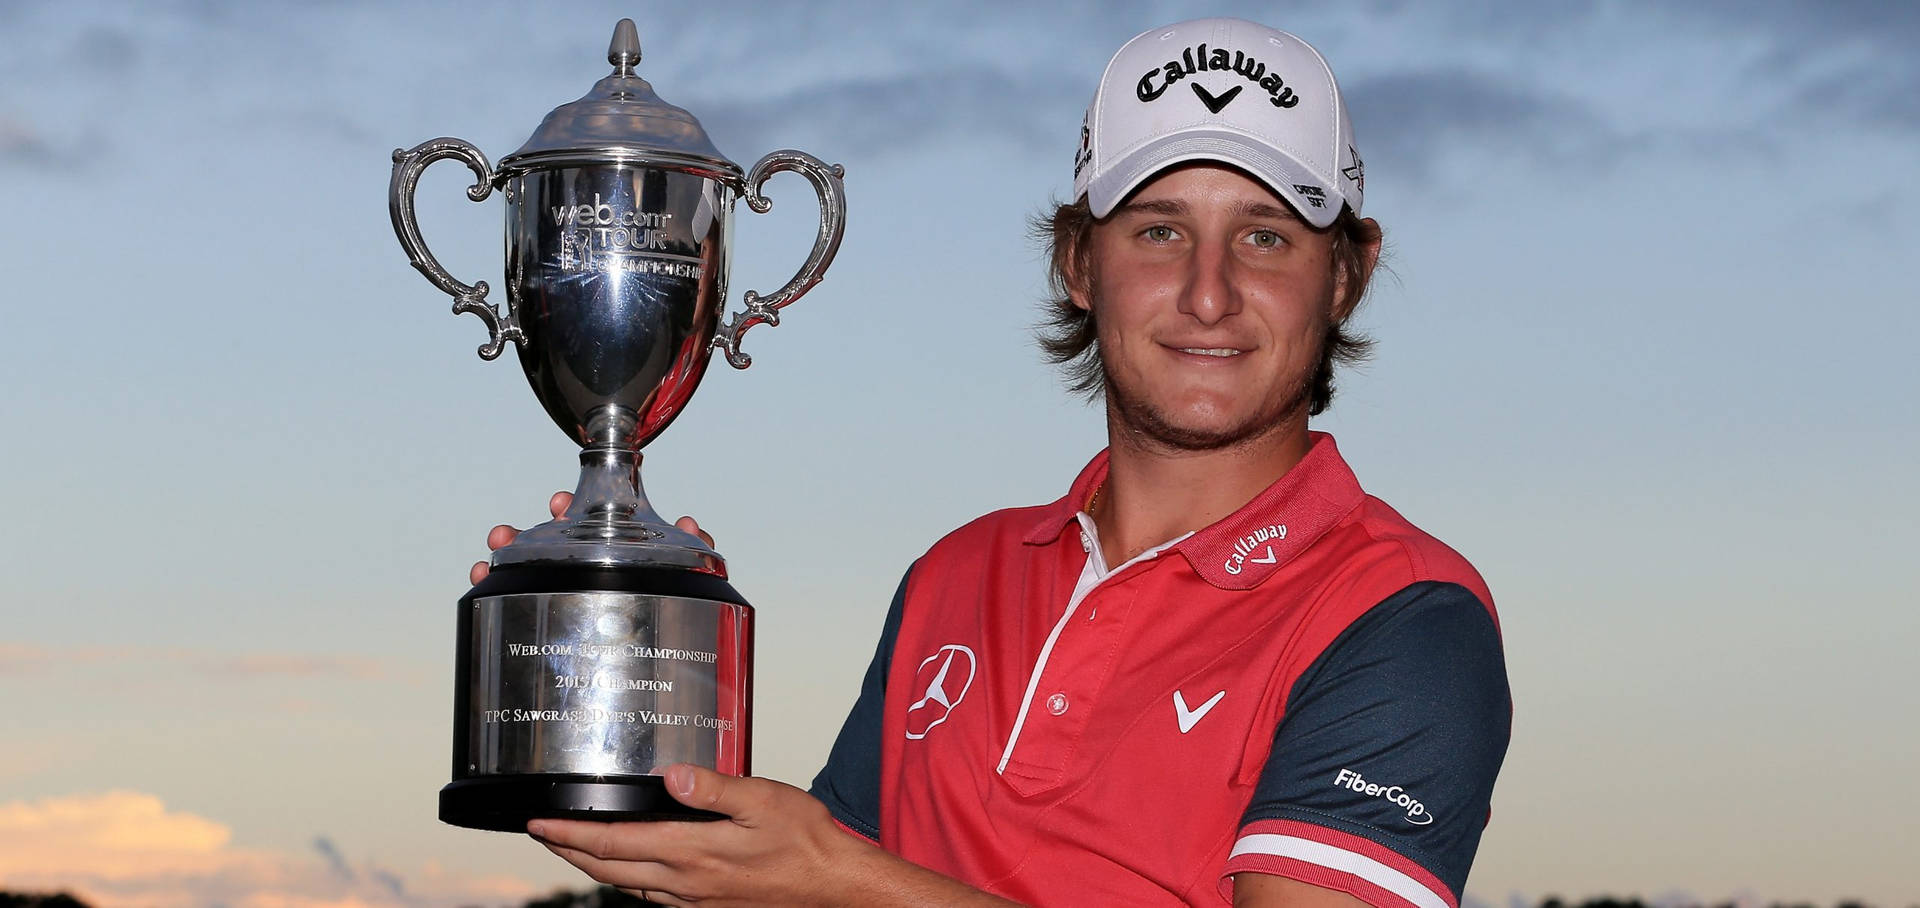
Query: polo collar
[[1050, 519], [1242, 550]]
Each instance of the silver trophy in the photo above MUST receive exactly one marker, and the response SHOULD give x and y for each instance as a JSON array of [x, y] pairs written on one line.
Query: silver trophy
[[607, 644]]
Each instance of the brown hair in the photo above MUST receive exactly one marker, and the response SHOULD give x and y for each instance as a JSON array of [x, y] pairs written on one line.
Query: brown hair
[[1069, 338]]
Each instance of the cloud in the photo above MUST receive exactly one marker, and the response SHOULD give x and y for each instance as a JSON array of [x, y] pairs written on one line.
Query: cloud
[[284, 122], [1675, 898], [1406, 117], [1718, 80], [24, 144], [394, 885], [1846, 60], [1850, 59], [126, 848], [1803, 27], [105, 49], [28, 755], [298, 665], [19, 658], [937, 75], [902, 110], [1509, 78], [23, 657], [134, 829], [335, 860], [1865, 93]]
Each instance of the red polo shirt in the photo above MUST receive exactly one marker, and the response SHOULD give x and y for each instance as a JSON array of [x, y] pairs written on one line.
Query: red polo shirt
[[1311, 687]]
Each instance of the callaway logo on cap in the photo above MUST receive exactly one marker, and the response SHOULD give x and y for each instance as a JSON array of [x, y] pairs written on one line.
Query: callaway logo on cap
[[1223, 90]]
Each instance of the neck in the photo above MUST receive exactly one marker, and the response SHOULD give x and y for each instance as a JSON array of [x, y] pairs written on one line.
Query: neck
[[1154, 493]]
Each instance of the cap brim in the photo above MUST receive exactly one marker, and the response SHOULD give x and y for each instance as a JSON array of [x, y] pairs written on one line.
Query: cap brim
[[1314, 199]]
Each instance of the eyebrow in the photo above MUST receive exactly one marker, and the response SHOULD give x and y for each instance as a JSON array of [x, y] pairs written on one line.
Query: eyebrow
[[1163, 207], [1265, 210], [1178, 208]]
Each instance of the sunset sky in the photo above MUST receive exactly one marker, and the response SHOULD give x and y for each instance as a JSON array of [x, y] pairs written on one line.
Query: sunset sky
[[1645, 356]]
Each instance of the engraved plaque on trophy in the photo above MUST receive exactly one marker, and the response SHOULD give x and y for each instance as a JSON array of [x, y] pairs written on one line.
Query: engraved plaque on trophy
[[607, 644]]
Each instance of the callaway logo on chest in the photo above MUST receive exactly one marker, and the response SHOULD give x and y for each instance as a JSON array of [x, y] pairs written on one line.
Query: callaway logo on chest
[[1155, 82]]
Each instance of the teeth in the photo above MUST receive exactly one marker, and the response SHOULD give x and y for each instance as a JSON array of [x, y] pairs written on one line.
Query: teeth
[[1210, 351]]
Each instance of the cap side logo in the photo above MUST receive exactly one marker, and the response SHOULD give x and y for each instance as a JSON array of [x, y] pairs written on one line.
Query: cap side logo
[[1357, 173], [1085, 153], [1199, 58]]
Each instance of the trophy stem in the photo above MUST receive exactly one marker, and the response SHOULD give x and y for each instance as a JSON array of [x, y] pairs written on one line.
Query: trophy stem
[[610, 491], [611, 522]]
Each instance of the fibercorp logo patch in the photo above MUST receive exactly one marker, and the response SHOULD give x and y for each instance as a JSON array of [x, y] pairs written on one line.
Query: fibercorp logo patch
[[944, 679], [1416, 812]]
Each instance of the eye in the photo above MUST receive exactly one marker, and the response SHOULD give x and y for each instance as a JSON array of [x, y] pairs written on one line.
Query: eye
[[1159, 233], [1265, 239]]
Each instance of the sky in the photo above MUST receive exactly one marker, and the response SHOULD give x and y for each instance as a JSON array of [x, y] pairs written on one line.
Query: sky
[[1644, 356]]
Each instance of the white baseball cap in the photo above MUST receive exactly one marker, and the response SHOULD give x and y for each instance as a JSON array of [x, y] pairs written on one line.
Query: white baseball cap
[[1223, 90]]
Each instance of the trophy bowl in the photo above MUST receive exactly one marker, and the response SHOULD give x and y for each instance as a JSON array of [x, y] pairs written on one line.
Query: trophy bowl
[[607, 644]]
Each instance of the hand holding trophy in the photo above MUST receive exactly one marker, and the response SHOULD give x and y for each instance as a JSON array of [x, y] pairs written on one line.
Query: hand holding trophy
[[607, 644]]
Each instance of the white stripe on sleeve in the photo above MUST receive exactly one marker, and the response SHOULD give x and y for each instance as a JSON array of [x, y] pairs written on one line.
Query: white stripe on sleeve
[[1366, 868]]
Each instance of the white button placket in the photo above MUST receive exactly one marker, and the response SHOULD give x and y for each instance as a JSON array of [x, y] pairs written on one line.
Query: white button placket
[[1092, 574]]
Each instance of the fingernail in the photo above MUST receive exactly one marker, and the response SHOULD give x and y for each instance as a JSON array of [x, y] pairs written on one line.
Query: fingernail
[[680, 779], [536, 828]]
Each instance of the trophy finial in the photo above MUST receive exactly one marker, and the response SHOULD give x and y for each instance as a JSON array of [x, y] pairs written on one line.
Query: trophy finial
[[624, 51]]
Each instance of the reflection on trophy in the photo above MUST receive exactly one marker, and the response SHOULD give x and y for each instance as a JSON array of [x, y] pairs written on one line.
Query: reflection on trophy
[[607, 644]]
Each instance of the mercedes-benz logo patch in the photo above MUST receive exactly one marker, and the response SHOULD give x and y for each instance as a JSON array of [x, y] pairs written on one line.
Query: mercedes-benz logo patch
[[943, 680]]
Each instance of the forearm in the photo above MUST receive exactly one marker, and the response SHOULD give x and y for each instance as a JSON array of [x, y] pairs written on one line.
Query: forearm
[[869, 877], [780, 846]]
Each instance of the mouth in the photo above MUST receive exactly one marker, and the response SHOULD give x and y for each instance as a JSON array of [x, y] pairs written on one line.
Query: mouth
[[1221, 352]]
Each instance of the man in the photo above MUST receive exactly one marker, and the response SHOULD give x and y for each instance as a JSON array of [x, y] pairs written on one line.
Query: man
[[1216, 669]]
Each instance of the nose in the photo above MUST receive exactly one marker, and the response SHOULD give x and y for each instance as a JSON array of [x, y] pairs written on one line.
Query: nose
[[1209, 295]]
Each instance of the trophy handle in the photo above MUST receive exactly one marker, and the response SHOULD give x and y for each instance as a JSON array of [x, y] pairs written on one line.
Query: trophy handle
[[833, 222], [408, 165]]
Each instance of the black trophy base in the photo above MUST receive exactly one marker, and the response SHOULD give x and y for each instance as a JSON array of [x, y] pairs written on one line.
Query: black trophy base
[[506, 803]]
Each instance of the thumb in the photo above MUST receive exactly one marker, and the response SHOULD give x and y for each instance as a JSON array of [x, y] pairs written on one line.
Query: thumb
[[697, 786]]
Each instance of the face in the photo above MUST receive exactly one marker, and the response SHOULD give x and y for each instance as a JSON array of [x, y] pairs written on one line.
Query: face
[[1213, 302]]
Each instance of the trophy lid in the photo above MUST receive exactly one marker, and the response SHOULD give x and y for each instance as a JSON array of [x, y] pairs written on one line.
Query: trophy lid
[[621, 120]]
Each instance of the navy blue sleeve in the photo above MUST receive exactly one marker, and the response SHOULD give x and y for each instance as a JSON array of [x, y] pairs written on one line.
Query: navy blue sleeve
[[1381, 776], [850, 782]]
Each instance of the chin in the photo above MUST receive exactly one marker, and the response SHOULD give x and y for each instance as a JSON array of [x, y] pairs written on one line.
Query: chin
[[1187, 430], [1197, 416]]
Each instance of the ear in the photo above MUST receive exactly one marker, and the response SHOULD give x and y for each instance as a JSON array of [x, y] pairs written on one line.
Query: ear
[[1349, 288], [1079, 282]]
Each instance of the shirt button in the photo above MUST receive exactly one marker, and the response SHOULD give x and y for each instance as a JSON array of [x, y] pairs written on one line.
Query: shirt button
[[1057, 704], [1086, 542]]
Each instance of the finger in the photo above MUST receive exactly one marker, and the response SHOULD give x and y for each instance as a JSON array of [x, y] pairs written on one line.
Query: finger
[[696, 786], [559, 503], [629, 842], [633, 875], [646, 880], [500, 535], [693, 526], [656, 897], [478, 572]]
